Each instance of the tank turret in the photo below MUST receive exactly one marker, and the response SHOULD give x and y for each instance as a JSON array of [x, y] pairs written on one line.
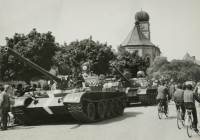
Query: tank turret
[[126, 77]]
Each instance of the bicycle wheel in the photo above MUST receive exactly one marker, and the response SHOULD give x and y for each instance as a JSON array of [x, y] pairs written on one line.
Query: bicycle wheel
[[179, 120], [160, 111], [189, 127]]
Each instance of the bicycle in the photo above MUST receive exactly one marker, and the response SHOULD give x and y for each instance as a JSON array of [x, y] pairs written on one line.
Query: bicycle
[[161, 109], [180, 121], [189, 123]]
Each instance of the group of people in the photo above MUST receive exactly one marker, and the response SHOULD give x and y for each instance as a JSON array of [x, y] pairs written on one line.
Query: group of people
[[184, 95]]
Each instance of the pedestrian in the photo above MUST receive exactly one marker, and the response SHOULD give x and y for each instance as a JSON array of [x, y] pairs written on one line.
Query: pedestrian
[[172, 89], [179, 100], [43, 84], [189, 102], [5, 106], [19, 91], [184, 86], [162, 94]]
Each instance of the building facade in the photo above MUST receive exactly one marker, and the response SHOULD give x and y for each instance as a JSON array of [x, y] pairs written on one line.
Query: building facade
[[139, 38]]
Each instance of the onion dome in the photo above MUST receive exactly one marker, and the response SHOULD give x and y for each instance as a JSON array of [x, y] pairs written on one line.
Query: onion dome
[[142, 16]]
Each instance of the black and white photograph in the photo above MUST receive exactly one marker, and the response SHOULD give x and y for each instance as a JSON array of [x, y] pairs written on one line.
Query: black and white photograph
[[99, 69]]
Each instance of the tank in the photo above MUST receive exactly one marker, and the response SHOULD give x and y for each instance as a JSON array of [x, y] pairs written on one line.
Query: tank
[[96, 99], [137, 89]]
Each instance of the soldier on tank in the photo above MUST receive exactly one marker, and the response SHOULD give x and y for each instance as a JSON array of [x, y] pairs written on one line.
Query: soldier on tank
[[79, 79]]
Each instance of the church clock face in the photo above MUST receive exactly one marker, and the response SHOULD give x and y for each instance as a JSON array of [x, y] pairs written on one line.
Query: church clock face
[[141, 26], [144, 27]]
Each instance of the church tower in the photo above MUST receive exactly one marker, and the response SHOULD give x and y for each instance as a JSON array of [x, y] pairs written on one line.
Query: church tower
[[142, 18], [139, 38]]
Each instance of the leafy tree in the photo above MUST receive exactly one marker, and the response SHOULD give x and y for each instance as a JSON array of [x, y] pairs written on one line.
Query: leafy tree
[[154, 70], [77, 52], [181, 71], [38, 48], [130, 61], [178, 70]]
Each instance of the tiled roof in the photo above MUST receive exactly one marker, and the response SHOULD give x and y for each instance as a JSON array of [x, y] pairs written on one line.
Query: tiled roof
[[188, 57], [137, 38]]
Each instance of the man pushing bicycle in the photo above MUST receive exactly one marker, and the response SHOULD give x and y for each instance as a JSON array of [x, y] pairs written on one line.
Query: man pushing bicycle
[[189, 101]]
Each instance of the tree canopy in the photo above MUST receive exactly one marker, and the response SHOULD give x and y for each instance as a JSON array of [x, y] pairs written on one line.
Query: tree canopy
[[178, 70], [38, 48], [130, 61], [77, 52], [41, 49]]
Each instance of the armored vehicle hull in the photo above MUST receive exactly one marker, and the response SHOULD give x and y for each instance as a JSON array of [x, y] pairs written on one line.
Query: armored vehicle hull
[[145, 96], [86, 107], [143, 93]]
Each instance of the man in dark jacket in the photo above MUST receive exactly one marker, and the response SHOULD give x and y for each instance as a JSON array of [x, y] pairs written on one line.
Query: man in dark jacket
[[189, 101], [5, 106], [162, 94], [178, 99]]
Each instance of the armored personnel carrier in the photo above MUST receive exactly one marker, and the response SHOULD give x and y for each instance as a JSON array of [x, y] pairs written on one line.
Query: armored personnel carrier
[[137, 89], [97, 99]]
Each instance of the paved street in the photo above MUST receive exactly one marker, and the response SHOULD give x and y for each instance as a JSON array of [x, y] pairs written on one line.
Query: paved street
[[138, 122]]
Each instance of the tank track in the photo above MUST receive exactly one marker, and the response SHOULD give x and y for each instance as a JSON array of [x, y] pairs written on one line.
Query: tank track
[[21, 117], [77, 110], [148, 99]]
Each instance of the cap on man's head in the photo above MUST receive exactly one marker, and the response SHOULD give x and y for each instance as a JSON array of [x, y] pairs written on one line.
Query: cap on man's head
[[6, 87]]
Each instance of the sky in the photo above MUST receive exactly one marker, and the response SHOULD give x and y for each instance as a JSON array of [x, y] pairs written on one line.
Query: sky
[[174, 24]]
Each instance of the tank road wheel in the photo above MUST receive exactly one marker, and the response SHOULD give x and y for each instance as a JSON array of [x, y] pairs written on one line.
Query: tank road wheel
[[124, 101], [107, 109], [113, 107], [91, 111], [101, 110], [149, 99], [152, 99], [119, 107]]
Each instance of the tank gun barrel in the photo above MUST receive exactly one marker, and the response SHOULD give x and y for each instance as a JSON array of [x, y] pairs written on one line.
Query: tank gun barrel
[[120, 73], [33, 65]]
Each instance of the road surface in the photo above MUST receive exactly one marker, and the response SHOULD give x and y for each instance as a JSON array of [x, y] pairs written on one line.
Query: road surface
[[137, 123]]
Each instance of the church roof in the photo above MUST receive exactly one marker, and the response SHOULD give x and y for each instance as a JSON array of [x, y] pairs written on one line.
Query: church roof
[[188, 57], [136, 38]]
